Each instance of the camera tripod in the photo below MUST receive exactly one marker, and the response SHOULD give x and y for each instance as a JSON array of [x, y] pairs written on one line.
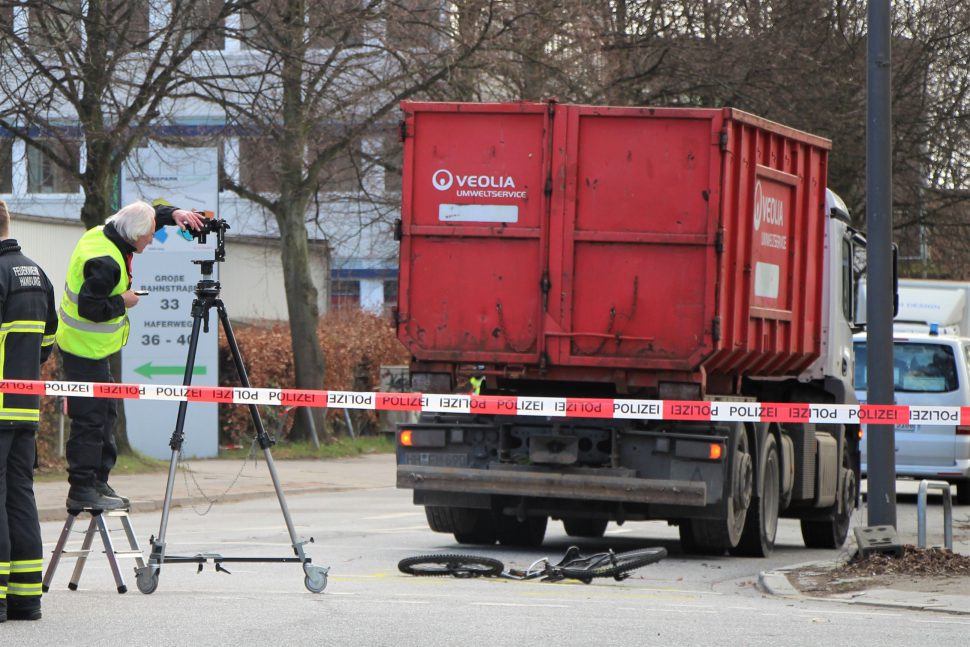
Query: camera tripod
[[206, 298]]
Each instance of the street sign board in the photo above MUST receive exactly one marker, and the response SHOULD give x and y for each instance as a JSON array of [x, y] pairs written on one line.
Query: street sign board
[[161, 323]]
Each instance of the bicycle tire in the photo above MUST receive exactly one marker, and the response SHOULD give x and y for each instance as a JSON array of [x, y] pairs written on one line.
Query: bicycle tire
[[451, 564], [617, 567]]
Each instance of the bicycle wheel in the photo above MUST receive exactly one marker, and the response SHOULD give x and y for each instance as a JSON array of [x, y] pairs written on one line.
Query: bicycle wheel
[[616, 565], [454, 565]]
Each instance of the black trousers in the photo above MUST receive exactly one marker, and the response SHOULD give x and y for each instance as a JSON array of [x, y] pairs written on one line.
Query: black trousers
[[21, 550], [91, 447]]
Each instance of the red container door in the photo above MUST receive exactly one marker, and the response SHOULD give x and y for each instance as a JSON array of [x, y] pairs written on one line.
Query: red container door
[[774, 222], [638, 227], [474, 217]]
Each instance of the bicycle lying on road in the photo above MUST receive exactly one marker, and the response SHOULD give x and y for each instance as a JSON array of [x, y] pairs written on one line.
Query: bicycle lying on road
[[574, 565]]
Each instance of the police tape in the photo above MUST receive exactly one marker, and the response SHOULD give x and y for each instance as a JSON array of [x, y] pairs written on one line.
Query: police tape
[[629, 409]]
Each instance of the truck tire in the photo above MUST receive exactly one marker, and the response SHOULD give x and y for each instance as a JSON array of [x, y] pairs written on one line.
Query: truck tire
[[474, 526], [468, 525], [715, 536], [761, 525], [580, 527], [528, 533], [439, 518], [831, 532]]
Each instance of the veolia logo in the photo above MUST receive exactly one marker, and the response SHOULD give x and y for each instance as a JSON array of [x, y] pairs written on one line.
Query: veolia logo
[[442, 179], [767, 209]]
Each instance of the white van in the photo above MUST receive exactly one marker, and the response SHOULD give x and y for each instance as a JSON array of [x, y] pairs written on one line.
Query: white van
[[928, 370]]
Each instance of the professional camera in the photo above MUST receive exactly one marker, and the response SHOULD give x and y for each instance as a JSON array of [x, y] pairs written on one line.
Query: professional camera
[[210, 225]]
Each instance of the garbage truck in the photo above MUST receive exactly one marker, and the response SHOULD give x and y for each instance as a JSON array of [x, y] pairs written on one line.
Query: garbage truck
[[672, 261]]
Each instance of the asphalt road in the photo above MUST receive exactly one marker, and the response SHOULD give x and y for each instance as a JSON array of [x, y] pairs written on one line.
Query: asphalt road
[[361, 534]]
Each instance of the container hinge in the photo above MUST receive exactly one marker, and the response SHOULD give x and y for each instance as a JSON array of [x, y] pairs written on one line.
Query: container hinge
[[545, 285], [548, 188], [718, 241], [716, 329], [396, 317], [402, 130], [724, 140], [398, 229]]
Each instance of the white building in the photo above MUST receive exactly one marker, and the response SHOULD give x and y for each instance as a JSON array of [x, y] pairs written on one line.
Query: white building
[[353, 218]]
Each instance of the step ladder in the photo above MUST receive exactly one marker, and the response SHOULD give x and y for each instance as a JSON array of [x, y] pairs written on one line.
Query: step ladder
[[99, 525]]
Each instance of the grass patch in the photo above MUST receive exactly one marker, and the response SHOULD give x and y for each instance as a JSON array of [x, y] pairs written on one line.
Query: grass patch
[[138, 463], [342, 447], [135, 463]]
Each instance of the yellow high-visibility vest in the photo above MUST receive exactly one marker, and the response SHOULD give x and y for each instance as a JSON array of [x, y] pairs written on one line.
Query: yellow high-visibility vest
[[80, 336]]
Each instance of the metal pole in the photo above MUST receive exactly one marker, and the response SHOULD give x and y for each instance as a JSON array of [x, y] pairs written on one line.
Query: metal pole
[[881, 465]]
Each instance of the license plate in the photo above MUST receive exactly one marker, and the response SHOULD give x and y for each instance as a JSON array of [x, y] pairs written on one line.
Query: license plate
[[905, 427], [436, 460]]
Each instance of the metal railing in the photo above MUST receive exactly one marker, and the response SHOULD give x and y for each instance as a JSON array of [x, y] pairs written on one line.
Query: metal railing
[[944, 487]]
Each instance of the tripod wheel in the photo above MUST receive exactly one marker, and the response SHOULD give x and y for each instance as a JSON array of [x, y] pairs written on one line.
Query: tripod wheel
[[316, 579], [147, 581]]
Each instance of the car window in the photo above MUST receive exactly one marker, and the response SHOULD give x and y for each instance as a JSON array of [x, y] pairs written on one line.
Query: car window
[[917, 367]]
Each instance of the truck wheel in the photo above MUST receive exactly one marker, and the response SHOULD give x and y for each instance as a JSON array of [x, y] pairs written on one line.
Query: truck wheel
[[832, 531], [714, 536], [439, 518], [761, 526], [578, 527], [528, 533], [469, 526], [473, 526]]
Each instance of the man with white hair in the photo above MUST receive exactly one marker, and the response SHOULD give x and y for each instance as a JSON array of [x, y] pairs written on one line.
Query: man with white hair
[[94, 325]]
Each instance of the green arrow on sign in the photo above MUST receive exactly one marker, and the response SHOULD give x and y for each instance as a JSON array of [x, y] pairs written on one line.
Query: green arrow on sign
[[148, 370]]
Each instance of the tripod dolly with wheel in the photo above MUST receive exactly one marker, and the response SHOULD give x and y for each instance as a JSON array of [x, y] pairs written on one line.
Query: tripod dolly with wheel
[[206, 298]]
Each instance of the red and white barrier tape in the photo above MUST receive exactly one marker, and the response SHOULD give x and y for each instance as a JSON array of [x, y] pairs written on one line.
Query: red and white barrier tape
[[510, 405]]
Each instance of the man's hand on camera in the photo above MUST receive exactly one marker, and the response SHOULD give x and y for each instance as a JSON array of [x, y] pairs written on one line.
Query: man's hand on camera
[[188, 219], [130, 298]]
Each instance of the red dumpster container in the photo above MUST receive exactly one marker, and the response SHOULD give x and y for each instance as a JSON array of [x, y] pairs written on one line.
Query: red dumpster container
[[620, 245]]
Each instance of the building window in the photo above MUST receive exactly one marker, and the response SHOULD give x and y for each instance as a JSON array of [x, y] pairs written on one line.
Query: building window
[[390, 296], [393, 157], [412, 24], [344, 294], [338, 23], [341, 173], [335, 22], [6, 165], [258, 165], [203, 14], [54, 25], [45, 176]]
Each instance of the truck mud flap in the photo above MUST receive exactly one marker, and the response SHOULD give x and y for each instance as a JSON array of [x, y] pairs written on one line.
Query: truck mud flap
[[537, 484]]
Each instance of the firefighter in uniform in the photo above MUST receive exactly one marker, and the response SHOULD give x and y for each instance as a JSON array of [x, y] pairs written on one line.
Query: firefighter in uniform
[[27, 324], [94, 325]]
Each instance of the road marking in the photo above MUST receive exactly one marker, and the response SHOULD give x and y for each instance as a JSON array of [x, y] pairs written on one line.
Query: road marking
[[387, 531], [396, 515], [519, 604]]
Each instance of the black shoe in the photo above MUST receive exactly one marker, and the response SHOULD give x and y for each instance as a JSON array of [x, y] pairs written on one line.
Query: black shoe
[[3, 610], [106, 490], [88, 497], [32, 613]]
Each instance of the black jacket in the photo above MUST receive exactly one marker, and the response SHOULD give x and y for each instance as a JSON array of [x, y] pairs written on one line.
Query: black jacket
[[102, 274], [28, 321]]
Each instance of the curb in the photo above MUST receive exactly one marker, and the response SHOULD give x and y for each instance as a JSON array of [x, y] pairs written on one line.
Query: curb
[[776, 583]]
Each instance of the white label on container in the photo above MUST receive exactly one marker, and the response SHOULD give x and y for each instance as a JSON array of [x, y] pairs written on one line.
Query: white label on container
[[478, 213], [766, 280]]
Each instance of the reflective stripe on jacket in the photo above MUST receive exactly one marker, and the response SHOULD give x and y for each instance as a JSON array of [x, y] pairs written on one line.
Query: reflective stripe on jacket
[[27, 325], [80, 336]]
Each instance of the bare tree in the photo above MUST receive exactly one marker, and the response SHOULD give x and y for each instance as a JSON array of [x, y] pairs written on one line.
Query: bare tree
[[84, 82], [316, 84]]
